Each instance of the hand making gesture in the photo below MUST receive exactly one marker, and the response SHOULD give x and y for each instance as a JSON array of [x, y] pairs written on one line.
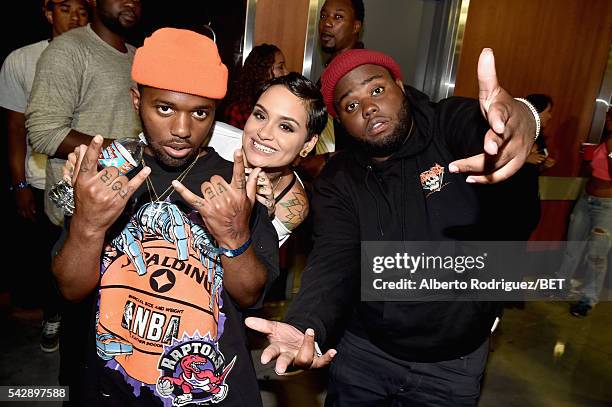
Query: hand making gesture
[[512, 129], [225, 208]]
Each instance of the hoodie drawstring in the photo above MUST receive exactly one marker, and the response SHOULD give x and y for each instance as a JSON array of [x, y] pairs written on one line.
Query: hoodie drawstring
[[382, 191]]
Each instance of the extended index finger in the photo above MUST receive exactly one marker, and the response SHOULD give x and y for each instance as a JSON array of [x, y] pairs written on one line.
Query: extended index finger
[[192, 199], [238, 178], [488, 86], [89, 164]]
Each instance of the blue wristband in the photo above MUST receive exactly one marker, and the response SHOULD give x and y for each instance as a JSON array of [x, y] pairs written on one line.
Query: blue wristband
[[236, 252], [21, 185]]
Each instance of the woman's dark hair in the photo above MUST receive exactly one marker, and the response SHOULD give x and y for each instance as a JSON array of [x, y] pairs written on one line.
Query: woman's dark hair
[[257, 69], [310, 95], [540, 101]]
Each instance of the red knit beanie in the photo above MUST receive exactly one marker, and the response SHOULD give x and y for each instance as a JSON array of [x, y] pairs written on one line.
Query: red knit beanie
[[346, 62], [181, 61]]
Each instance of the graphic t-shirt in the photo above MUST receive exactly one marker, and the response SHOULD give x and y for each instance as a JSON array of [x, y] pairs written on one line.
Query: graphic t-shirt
[[167, 332]]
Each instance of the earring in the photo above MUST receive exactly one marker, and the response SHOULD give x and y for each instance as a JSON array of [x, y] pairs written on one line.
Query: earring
[[303, 153]]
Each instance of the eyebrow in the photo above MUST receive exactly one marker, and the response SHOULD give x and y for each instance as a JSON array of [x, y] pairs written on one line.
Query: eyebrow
[[364, 82], [173, 105], [287, 118]]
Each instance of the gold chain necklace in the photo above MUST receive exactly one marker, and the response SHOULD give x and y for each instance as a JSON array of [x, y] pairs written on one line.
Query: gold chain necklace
[[170, 190]]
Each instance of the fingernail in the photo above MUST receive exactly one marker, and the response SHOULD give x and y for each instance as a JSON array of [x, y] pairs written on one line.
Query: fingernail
[[470, 180], [453, 168], [147, 170], [333, 353], [98, 139], [492, 146], [310, 332], [175, 183]]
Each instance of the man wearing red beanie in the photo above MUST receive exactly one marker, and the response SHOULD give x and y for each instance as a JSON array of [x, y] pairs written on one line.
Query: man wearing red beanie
[[175, 254], [404, 182]]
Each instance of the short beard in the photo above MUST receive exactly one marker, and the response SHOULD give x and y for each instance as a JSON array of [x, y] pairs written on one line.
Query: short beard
[[328, 50], [391, 143], [169, 163], [113, 24]]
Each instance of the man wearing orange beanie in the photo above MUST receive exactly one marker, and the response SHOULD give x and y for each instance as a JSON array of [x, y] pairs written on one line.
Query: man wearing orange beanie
[[177, 252]]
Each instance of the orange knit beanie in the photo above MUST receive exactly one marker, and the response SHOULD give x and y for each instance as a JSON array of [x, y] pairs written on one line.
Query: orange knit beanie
[[181, 61]]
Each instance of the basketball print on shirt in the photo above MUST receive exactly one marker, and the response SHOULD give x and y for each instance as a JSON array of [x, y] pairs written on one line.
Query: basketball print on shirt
[[159, 307]]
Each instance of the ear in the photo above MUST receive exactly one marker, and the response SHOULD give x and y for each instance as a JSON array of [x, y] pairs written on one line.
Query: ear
[[356, 27], [49, 16], [310, 144], [399, 83], [135, 98]]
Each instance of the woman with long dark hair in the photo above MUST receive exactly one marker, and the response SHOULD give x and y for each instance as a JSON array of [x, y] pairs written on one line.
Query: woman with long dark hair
[[266, 61]]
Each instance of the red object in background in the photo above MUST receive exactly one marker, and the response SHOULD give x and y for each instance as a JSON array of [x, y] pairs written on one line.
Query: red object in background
[[587, 149]]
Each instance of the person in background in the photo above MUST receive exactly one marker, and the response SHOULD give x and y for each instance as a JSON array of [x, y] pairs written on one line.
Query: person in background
[[81, 88], [265, 61], [76, 77], [591, 224], [340, 26], [27, 168], [539, 155]]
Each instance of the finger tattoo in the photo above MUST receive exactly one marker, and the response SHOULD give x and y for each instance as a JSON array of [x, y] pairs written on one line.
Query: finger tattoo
[[105, 177], [85, 165], [241, 184], [221, 188], [210, 192], [116, 186], [124, 192]]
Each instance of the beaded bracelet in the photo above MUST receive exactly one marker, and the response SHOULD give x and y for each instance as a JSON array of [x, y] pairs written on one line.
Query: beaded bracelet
[[21, 185], [236, 252], [536, 115]]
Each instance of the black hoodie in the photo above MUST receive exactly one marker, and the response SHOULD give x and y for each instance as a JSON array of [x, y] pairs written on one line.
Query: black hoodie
[[356, 199]]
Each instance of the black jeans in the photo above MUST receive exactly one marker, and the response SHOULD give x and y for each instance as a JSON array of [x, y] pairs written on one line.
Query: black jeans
[[363, 375]]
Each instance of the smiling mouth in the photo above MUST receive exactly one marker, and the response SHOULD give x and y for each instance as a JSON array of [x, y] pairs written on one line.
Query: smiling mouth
[[262, 148]]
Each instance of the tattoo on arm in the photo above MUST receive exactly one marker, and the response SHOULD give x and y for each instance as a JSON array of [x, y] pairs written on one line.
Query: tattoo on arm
[[296, 210]]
